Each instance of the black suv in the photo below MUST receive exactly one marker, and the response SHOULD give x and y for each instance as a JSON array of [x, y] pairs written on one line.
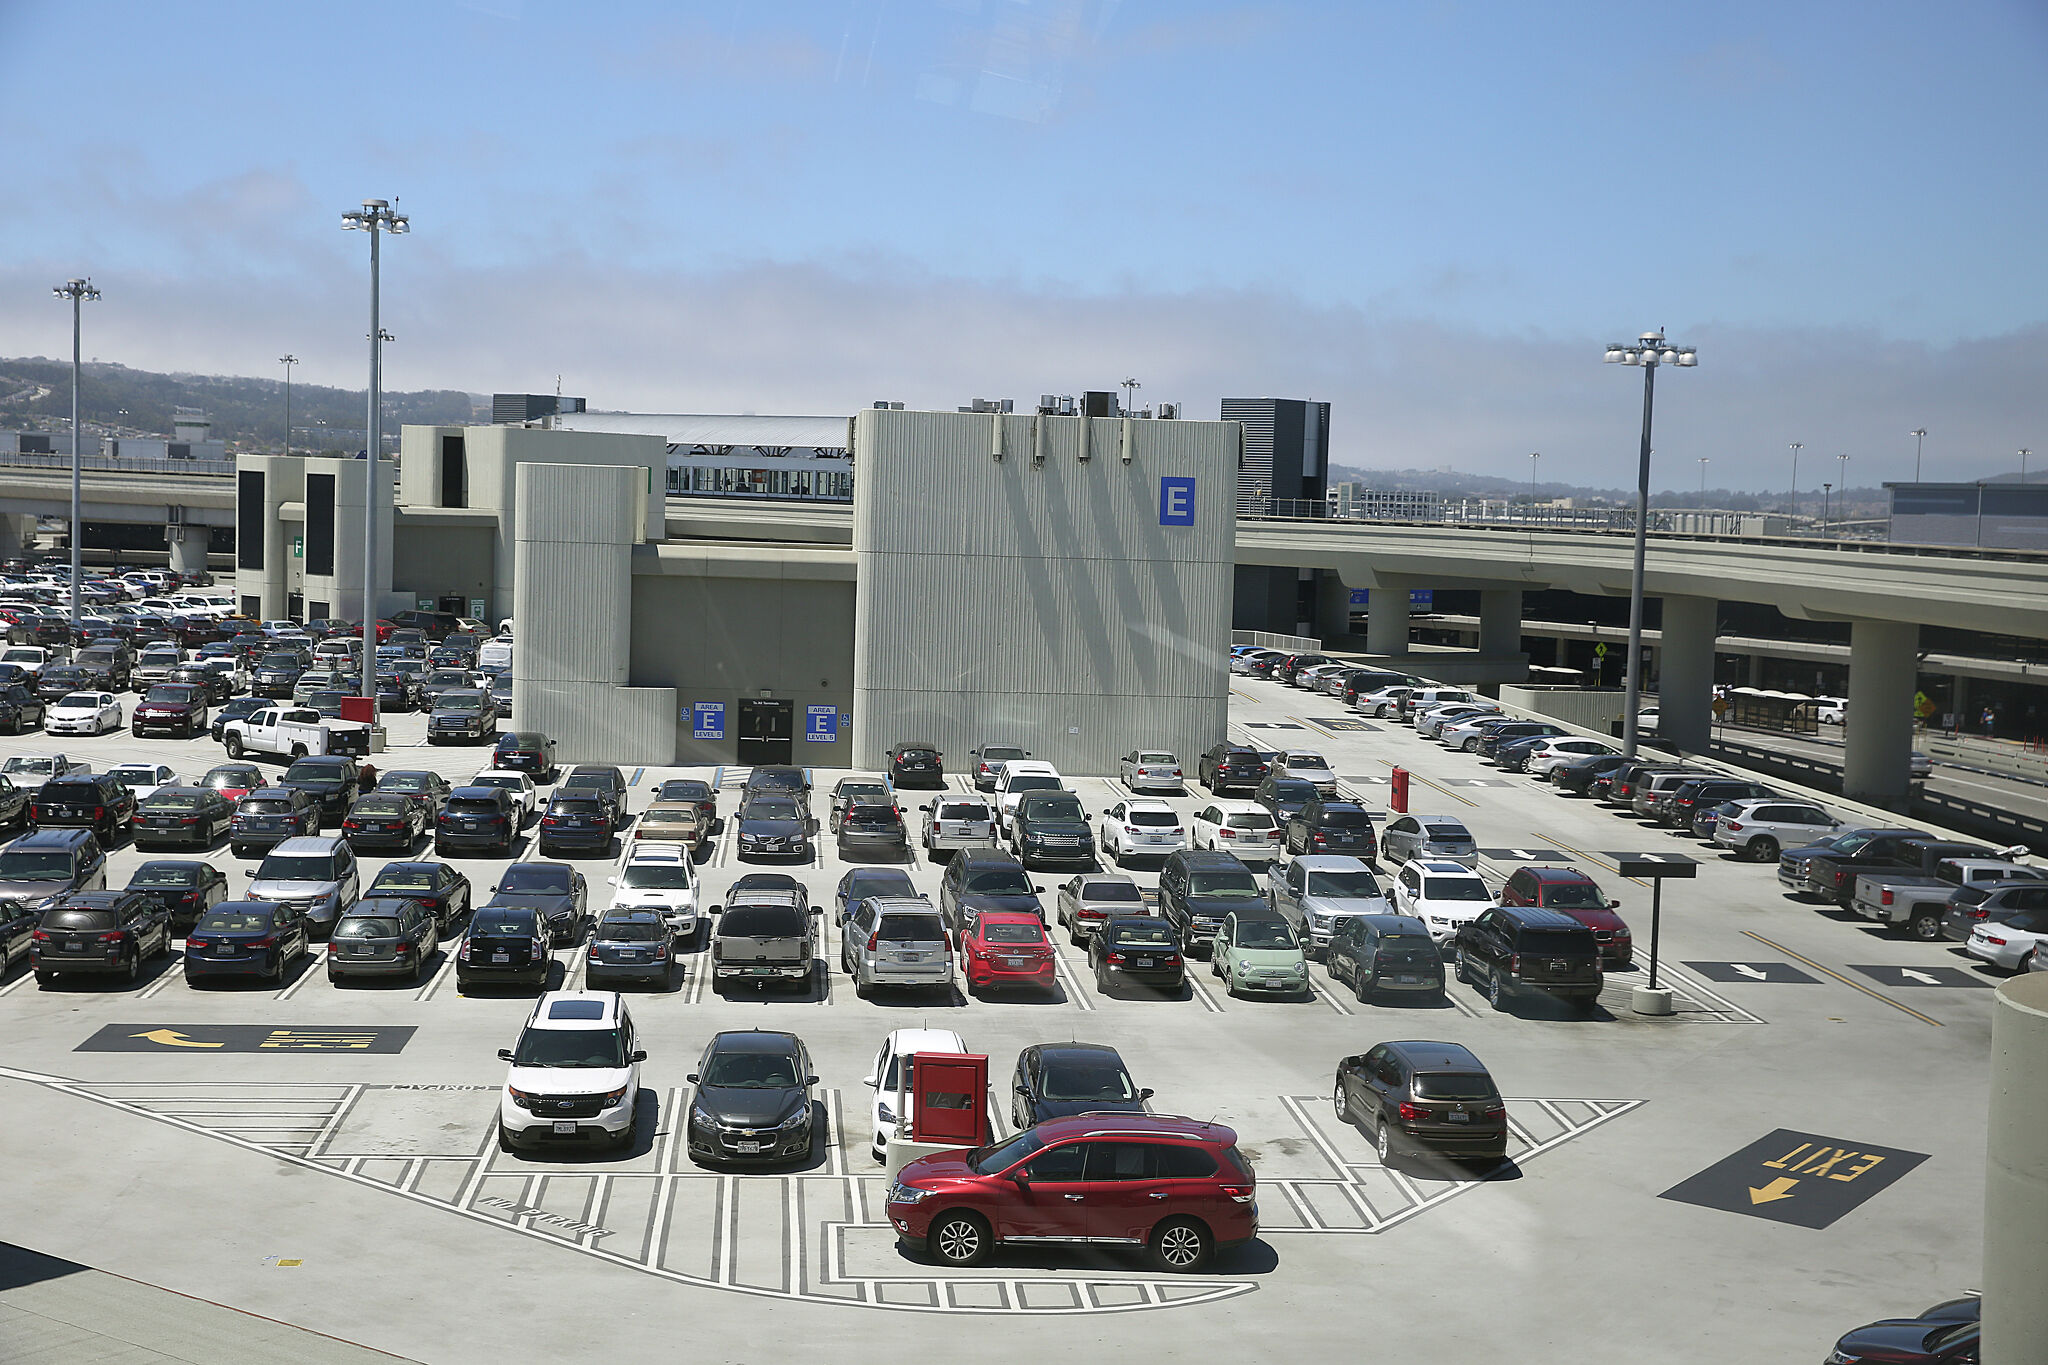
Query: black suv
[[526, 751], [979, 879], [1511, 948], [910, 763], [99, 933], [20, 708], [1051, 827], [264, 819], [1199, 888], [1327, 824], [1231, 765], [332, 780], [95, 801], [1422, 1097], [480, 818], [608, 784]]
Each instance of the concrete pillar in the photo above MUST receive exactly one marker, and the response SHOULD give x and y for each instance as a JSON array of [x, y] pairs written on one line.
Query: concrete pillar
[[14, 530], [1756, 670], [1877, 739], [1959, 703], [1333, 606], [1500, 623], [188, 548], [2016, 1174], [1685, 691], [1386, 622]]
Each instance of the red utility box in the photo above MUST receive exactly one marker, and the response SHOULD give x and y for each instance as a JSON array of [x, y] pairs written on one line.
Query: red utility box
[[362, 709], [1399, 799], [952, 1099]]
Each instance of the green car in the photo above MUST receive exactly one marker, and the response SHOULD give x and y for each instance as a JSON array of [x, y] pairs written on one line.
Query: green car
[[1259, 955]]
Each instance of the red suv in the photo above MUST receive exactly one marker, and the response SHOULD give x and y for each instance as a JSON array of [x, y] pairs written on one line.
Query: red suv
[[1177, 1187], [1571, 892]]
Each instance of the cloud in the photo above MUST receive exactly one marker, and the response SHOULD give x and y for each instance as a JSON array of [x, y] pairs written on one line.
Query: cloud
[[828, 338]]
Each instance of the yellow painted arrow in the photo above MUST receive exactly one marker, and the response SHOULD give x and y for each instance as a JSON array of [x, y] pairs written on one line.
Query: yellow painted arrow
[[1781, 1188], [165, 1037]]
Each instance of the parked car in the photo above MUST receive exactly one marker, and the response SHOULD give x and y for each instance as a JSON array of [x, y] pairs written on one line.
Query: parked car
[[1227, 766], [42, 867], [1327, 824], [94, 801], [958, 1207], [764, 936], [1242, 828], [1054, 1080], [576, 820], [1283, 797], [988, 760], [383, 820], [1140, 827], [1559, 750], [1007, 950], [83, 713], [850, 789], [669, 822], [437, 886], [529, 752], [978, 881], [1423, 1098], [1677, 806], [1150, 770], [1198, 891], [97, 933], [1507, 949], [574, 1075], [1390, 955], [1088, 901], [241, 708], [1136, 950], [1758, 828], [897, 942], [1021, 777], [630, 945], [753, 1099], [1489, 742], [466, 714], [660, 879], [181, 815], [952, 823], [517, 786], [1577, 775], [1310, 767], [482, 819], [426, 790], [1319, 893], [1439, 838], [556, 892], [774, 826], [1571, 892], [184, 888], [20, 708], [893, 1079], [247, 938], [861, 882], [1941, 1336], [316, 876], [873, 829], [775, 779], [263, 819], [915, 763], [505, 943], [1440, 893], [2011, 942]]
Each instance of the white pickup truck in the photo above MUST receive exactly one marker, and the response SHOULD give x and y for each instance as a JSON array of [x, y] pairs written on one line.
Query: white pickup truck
[[294, 732]]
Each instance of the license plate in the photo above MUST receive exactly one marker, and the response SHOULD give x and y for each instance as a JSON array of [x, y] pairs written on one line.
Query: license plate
[[909, 957], [225, 950], [1017, 963], [1144, 962], [366, 950], [747, 1148], [501, 957], [75, 945], [628, 957], [761, 971], [564, 1127], [1407, 980], [1458, 1116], [1560, 966]]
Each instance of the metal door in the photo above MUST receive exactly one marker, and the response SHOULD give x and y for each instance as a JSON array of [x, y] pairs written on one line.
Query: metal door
[[765, 731]]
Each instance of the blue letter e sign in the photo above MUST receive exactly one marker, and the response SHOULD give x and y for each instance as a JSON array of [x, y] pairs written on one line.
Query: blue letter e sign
[[1176, 502]]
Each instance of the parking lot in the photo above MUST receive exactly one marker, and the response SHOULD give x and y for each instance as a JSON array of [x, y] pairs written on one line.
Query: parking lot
[[340, 1172]]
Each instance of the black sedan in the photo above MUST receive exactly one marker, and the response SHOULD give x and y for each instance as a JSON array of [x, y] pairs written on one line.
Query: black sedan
[[505, 943], [1285, 796], [1580, 773], [1946, 1334], [427, 790], [17, 922], [330, 779], [753, 1099], [185, 888], [873, 829], [432, 884], [266, 818], [241, 708], [246, 938], [397, 690], [1054, 1080], [195, 816], [774, 827], [555, 891], [1136, 950], [910, 764], [383, 820], [578, 821], [863, 882], [20, 708]]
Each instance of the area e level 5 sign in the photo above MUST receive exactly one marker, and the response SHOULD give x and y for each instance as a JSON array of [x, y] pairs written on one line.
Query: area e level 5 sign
[[821, 724], [707, 720], [192, 1039], [1799, 1178]]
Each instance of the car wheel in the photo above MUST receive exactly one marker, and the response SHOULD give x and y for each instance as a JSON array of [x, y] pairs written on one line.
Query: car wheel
[[1763, 849], [1383, 1142], [959, 1239], [133, 972], [1182, 1246], [1340, 1103], [1925, 927], [234, 746], [1496, 994], [1459, 968], [1472, 744], [1360, 987]]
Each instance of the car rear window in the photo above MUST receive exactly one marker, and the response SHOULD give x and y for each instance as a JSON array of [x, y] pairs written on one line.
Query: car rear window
[[1112, 891], [963, 810], [920, 753], [471, 805], [151, 876], [1453, 1085], [1562, 942], [265, 805], [366, 926], [631, 931], [1012, 933], [1153, 819], [1143, 935], [1346, 819], [399, 878], [381, 805], [575, 806], [1030, 782], [761, 921], [173, 801], [1249, 820], [1450, 833], [883, 816], [1155, 758], [911, 929], [79, 920], [512, 923]]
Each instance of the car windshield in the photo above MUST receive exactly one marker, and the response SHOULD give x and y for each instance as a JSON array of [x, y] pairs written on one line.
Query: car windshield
[[535, 877], [1059, 808], [999, 881], [1410, 950], [1453, 1085], [18, 865], [304, 774], [1353, 885], [461, 701], [1012, 933], [1454, 889], [299, 867], [776, 781], [366, 926], [172, 692], [751, 1070], [173, 801], [1000, 1156], [600, 1047], [154, 876], [264, 805], [656, 876], [397, 877], [769, 808], [1112, 891], [1234, 884], [1574, 896], [1144, 935], [1264, 933], [1086, 1080], [631, 930]]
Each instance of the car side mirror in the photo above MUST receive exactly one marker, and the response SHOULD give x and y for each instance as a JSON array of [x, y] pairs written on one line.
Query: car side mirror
[[1146, 1093], [692, 1078], [611, 881], [817, 909], [717, 909], [1038, 891], [869, 1081], [504, 1054], [1614, 905], [1023, 1090], [636, 1057]]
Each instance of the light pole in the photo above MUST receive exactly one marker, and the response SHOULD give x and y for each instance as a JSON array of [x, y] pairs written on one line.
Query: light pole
[[1648, 351], [1797, 446], [1703, 482], [1130, 388], [2024, 452], [376, 218], [1919, 435], [287, 360], [78, 291], [1842, 477], [1827, 491]]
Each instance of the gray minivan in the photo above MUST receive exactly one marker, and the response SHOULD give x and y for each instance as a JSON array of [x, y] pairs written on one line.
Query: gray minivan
[[315, 875]]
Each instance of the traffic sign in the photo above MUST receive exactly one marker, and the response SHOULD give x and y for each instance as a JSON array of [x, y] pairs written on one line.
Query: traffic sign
[[821, 724], [1799, 1178], [707, 720], [1773, 973], [1600, 650], [1887, 975]]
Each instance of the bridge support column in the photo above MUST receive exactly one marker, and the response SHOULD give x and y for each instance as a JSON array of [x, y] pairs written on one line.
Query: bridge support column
[[1877, 737], [14, 533], [188, 548], [1500, 623], [1386, 621], [1685, 688], [2016, 1174], [1333, 606]]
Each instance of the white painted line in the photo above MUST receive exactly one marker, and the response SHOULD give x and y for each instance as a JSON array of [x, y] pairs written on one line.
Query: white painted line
[[1070, 982], [174, 971], [835, 1134], [446, 970], [1200, 992], [725, 1251], [1315, 1135], [1329, 997], [314, 966], [22, 980]]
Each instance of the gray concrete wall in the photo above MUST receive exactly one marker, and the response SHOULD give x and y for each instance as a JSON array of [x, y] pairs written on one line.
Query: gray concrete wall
[[436, 553], [718, 639], [1040, 602], [1589, 710], [2016, 1175], [576, 526]]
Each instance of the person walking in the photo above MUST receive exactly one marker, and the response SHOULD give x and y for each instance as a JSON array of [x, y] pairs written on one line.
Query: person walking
[[1990, 719]]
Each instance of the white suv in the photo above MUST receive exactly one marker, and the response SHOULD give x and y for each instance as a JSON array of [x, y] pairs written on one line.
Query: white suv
[[661, 877], [1021, 775], [1440, 893], [1140, 827], [575, 1074], [1761, 828], [895, 1066]]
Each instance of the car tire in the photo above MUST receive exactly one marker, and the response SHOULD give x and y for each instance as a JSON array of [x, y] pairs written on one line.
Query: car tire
[[1383, 1143], [1763, 849], [1181, 1246], [1340, 1103], [233, 744], [1472, 744], [45, 980], [1496, 993], [1926, 928], [958, 1239], [1359, 988], [133, 972]]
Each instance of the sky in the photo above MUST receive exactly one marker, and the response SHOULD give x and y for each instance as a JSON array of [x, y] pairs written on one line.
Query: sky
[[1434, 215]]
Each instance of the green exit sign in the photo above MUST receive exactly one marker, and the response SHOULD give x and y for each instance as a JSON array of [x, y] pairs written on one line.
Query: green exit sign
[[298, 547]]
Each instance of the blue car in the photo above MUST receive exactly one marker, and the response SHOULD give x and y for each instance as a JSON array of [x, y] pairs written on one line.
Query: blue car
[[246, 938]]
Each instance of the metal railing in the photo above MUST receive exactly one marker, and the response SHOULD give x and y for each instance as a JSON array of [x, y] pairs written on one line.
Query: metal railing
[[119, 465]]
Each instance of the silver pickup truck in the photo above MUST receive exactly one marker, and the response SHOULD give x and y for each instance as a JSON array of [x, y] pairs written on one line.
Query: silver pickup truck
[[767, 936], [1916, 903]]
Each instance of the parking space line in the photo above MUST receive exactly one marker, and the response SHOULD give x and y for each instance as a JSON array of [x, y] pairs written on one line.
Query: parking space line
[[426, 992], [173, 971], [1328, 997], [1853, 985], [1315, 1134], [314, 965], [1201, 992], [573, 972], [835, 1135], [1070, 981], [20, 981]]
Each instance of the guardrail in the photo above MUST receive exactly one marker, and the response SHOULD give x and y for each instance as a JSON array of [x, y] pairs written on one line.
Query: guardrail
[[144, 465], [1293, 644]]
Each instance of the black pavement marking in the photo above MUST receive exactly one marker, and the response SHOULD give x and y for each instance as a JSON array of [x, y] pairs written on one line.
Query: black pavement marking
[[1887, 975], [1535, 854], [191, 1038], [1798, 1178], [1773, 973], [1341, 723], [1272, 725]]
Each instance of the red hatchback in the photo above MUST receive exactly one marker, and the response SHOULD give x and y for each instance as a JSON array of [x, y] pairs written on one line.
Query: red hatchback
[[1007, 950], [1571, 892], [1176, 1187]]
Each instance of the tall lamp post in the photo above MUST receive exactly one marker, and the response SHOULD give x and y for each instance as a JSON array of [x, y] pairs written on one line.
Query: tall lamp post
[[1842, 477], [2024, 452], [1797, 446], [287, 360], [1703, 481], [376, 218], [1648, 351], [1827, 491], [78, 291], [1919, 435]]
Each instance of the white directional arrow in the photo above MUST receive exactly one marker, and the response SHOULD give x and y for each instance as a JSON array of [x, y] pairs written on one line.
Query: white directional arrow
[[1921, 977], [1750, 971], [1522, 853]]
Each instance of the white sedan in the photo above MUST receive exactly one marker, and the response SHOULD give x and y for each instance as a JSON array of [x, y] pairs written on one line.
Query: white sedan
[[83, 713], [1561, 751], [1443, 895], [144, 778], [518, 784], [1245, 828], [1141, 829]]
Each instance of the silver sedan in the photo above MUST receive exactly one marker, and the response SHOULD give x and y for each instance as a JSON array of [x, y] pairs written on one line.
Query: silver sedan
[[1150, 770]]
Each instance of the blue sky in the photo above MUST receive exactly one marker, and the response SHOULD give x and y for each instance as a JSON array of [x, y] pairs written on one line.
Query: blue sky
[[1432, 214]]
